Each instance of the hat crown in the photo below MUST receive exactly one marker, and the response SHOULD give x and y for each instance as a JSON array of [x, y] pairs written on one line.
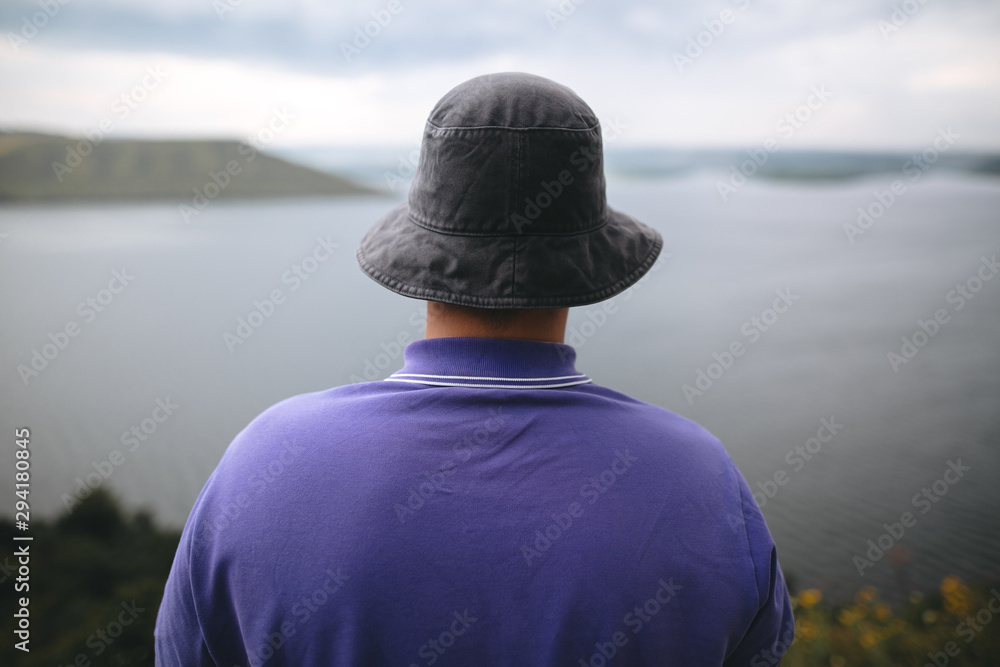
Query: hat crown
[[512, 100], [510, 154]]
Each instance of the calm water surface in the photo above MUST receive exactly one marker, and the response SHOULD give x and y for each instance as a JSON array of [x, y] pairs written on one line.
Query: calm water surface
[[168, 334]]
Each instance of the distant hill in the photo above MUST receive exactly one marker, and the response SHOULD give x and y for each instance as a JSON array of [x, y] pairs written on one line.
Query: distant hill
[[392, 167], [791, 164], [47, 168]]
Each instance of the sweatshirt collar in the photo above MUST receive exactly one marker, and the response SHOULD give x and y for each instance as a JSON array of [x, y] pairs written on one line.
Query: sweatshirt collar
[[493, 363]]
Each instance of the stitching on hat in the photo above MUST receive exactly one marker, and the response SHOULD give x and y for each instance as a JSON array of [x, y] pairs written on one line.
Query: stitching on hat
[[537, 128], [432, 227]]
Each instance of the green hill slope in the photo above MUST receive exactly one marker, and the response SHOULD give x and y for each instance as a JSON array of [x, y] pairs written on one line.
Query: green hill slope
[[35, 167]]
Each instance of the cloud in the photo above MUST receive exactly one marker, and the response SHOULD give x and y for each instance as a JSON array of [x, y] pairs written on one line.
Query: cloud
[[890, 89]]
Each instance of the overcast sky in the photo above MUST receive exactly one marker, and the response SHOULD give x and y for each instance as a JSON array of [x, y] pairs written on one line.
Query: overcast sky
[[223, 66]]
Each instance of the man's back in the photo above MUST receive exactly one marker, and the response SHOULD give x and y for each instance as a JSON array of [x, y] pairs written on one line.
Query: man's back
[[487, 505]]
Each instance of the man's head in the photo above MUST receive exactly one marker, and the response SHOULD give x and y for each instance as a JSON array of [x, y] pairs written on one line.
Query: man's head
[[507, 210]]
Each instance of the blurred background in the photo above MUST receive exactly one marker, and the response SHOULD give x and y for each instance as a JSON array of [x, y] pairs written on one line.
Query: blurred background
[[183, 185]]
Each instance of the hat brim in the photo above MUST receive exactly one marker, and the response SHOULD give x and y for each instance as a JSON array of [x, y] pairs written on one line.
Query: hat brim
[[510, 271]]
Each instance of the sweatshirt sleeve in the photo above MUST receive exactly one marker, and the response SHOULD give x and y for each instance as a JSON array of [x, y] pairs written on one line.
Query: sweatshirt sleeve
[[179, 640], [773, 628]]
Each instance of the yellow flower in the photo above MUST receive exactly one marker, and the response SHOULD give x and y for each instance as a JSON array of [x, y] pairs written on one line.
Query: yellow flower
[[806, 630], [949, 584], [810, 597], [957, 596], [929, 616], [866, 594], [882, 611]]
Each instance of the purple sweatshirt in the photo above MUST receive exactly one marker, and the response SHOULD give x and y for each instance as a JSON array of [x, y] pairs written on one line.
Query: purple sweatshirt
[[486, 505]]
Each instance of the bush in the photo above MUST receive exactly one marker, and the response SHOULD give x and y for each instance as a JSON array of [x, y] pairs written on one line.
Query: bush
[[88, 569], [937, 629]]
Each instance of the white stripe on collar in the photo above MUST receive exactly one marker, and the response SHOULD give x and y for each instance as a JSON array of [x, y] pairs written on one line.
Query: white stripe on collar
[[578, 376], [488, 382]]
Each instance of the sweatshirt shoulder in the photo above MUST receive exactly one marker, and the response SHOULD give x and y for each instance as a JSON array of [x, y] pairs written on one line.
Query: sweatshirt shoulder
[[677, 447], [319, 403], [659, 420], [307, 414]]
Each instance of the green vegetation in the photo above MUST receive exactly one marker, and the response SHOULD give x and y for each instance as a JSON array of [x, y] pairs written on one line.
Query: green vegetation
[[90, 569], [952, 626], [37, 168], [95, 566]]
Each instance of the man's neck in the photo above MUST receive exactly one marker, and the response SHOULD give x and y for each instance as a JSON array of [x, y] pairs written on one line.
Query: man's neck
[[541, 324]]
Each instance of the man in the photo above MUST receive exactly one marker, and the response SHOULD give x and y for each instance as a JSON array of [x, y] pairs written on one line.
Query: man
[[488, 504]]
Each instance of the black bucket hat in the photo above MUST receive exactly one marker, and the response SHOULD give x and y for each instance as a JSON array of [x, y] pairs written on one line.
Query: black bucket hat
[[507, 208]]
